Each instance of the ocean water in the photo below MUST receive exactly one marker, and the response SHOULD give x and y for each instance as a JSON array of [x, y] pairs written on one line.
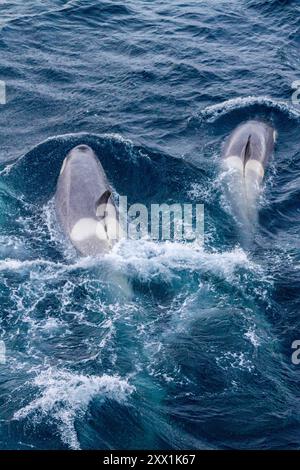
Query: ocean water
[[200, 357]]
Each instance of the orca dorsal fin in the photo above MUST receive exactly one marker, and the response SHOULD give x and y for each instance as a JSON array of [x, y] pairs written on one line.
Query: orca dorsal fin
[[101, 204], [247, 152]]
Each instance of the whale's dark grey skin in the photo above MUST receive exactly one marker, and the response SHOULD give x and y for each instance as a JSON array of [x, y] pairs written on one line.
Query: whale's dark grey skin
[[245, 156], [84, 203]]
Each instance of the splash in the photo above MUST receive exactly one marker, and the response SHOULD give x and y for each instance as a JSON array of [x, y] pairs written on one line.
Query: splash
[[65, 397]]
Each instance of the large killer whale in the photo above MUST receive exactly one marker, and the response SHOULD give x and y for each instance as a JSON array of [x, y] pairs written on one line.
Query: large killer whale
[[84, 204], [245, 156]]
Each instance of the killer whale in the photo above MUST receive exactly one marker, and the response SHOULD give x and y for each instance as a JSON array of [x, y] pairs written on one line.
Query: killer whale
[[84, 203], [249, 148], [245, 156]]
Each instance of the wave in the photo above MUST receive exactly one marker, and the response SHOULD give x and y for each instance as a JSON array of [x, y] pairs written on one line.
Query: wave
[[214, 112], [66, 396]]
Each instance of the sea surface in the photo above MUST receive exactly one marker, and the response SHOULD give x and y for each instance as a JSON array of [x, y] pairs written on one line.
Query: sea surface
[[200, 356]]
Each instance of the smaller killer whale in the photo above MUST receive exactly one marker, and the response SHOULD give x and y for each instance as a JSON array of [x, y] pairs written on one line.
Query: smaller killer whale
[[84, 204], [245, 156]]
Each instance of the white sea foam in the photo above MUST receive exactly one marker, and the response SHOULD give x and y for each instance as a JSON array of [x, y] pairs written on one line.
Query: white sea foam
[[147, 259], [143, 259], [16, 265], [251, 335], [7, 169], [198, 192], [65, 397], [235, 360]]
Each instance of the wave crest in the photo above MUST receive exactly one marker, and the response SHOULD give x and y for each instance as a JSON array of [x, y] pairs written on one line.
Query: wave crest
[[65, 397]]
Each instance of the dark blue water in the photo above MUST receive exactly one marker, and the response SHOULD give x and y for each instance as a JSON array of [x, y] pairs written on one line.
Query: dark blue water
[[201, 356]]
